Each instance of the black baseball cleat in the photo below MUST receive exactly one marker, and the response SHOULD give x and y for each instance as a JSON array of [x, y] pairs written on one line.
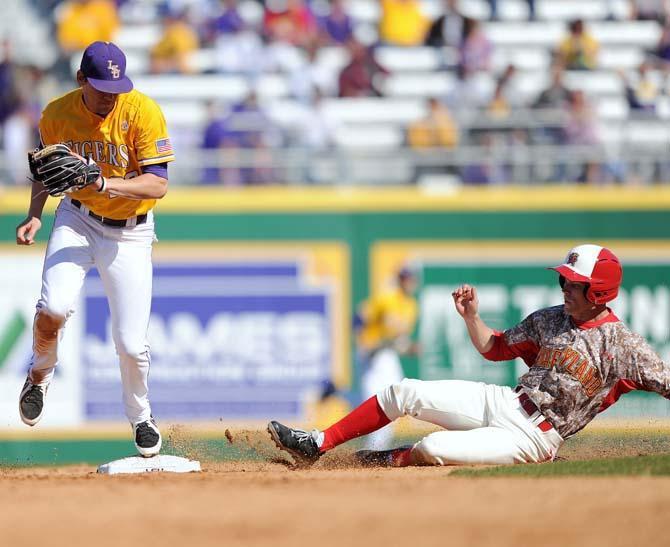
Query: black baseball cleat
[[31, 402], [147, 438], [378, 458], [300, 444]]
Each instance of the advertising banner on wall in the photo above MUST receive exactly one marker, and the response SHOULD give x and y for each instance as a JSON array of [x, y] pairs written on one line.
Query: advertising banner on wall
[[236, 331], [20, 282], [512, 281]]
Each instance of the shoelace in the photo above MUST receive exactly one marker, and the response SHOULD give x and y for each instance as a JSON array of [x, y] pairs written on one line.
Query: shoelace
[[301, 436], [34, 395]]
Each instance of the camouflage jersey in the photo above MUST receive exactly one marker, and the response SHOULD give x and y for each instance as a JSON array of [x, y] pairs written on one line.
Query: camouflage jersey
[[579, 369]]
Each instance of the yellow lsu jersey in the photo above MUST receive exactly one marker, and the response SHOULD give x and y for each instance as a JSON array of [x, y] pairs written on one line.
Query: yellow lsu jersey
[[386, 317], [132, 136]]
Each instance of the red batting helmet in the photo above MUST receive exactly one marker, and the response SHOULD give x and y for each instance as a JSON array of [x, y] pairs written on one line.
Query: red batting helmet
[[597, 266]]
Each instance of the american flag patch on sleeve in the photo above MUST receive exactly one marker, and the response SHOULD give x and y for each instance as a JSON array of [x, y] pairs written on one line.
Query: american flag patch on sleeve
[[163, 146]]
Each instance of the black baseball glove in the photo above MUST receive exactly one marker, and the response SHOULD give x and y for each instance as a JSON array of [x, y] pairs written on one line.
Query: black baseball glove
[[61, 171]]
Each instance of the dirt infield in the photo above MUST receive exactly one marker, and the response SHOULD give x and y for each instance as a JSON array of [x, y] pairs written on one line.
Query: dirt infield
[[265, 502], [258, 504]]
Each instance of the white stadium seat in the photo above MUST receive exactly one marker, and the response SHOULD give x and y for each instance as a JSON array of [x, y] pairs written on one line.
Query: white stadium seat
[[369, 137], [137, 37], [630, 33], [595, 82], [647, 133], [373, 110], [415, 58], [611, 108], [435, 84]]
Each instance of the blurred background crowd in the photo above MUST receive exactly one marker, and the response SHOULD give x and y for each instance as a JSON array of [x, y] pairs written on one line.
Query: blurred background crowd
[[389, 92]]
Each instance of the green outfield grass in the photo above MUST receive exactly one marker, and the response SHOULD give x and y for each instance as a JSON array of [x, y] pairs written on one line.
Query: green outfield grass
[[634, 465], [21, 453]]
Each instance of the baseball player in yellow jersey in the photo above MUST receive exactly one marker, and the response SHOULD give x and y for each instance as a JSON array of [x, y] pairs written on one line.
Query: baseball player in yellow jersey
[[384, 326], [108, 224]]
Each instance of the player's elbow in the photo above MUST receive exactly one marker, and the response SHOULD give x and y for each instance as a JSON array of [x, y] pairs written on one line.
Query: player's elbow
[[161, 188]]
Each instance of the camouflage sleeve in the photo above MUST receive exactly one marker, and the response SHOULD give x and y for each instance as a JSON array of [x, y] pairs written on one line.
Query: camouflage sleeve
[[646, 368], [521, 340]]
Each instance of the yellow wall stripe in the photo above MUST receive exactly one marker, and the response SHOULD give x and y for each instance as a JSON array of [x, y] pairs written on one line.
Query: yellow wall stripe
[[310, 199]]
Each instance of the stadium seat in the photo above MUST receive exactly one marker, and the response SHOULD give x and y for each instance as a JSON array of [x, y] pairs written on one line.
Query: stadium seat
[[409, 59], [138, 37], [369, 137], [375, 110], [427, 84]]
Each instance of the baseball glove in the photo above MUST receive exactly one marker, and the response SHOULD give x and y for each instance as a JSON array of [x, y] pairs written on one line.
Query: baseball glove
[[60, 171]]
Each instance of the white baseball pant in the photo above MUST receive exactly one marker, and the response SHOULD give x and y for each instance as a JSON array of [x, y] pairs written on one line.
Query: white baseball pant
[[484, 423], [122, 257]]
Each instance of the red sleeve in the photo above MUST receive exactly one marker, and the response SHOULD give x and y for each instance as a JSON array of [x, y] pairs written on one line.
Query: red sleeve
[[621, 387], [502, 351]]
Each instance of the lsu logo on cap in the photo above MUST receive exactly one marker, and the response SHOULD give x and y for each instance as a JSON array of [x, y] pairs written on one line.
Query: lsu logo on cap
[[114, 69]]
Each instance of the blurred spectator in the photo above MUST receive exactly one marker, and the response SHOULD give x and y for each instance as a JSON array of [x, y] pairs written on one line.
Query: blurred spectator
[[360, 78], [475, 50], [217, 136], [81, 22], [236, 135], [290, 21], [447, 29], [581, 130], [649, 10], [243, 52], [253, 133], [500, 105], [172, 54], [470, 92], [556, 95], [402, 23], [662, 50], [579, 49], [311, 76], [336, 27], [20, 132], [9, 94], [313, 133], [227, 21], [554, 98], [436, 130], [581, 126], [19, 136], [313, 128], [493, 5], [643, 93], [490, 170]]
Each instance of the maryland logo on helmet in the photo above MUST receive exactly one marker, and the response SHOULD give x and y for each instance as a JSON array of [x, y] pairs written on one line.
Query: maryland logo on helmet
[[598, 267]]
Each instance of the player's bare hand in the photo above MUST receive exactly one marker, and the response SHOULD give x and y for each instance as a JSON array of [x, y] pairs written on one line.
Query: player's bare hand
[[466, 301], [26, 231]]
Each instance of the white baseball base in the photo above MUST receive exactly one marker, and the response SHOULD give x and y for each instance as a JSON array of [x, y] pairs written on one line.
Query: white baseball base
[[155, 464]]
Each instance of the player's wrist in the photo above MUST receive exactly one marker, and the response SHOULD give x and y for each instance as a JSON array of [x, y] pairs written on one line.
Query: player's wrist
[[102, 184]]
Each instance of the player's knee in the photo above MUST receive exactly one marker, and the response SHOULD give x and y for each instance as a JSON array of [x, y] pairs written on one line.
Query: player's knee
[[407, 395], [131, 349], [400, 399], [48, 323], [429, 450]]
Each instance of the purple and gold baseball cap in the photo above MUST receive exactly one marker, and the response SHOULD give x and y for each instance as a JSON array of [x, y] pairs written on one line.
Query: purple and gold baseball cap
[[104, 66]]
